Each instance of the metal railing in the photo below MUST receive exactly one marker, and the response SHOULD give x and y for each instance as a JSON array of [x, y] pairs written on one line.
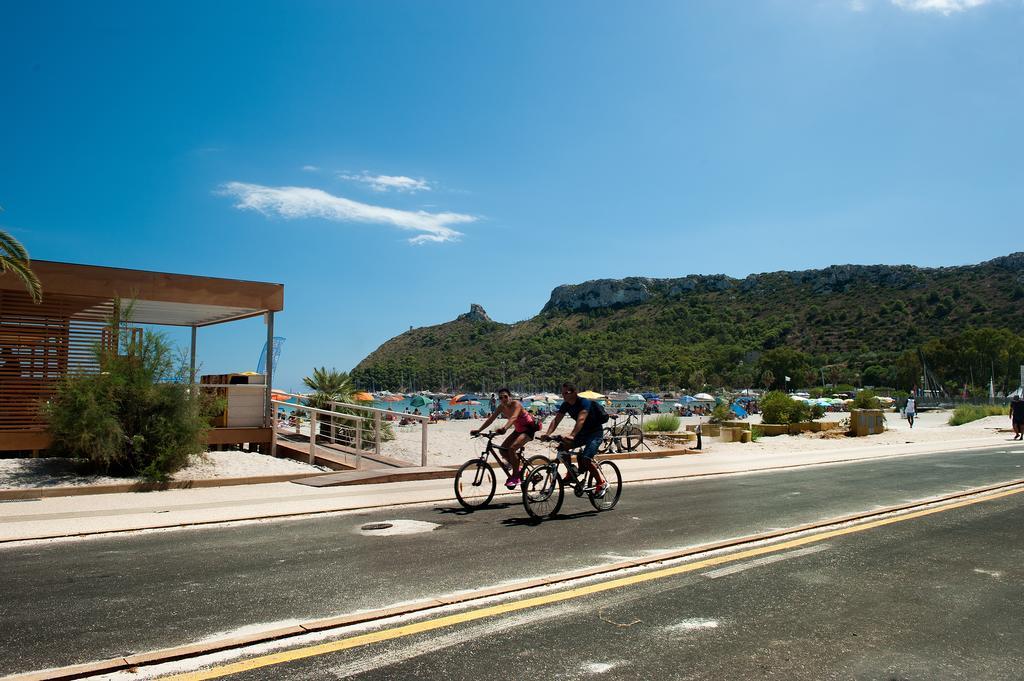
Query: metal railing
[[357, 431]]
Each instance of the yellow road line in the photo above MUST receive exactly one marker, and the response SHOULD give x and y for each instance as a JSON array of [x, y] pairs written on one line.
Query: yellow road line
[[547, 599]]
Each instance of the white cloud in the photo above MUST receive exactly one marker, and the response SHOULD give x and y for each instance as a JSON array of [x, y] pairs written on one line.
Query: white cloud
[[946, 7], [383, 183], [858, 5], [307, 202], [310, 169]]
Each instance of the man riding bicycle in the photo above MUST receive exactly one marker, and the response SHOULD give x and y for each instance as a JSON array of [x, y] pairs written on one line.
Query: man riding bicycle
[[587, 433]]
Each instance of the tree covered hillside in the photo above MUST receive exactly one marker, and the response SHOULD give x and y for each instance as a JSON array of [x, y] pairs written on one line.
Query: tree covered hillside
[[853, 324]]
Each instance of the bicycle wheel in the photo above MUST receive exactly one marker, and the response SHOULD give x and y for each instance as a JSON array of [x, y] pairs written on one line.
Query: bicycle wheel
[[614, 490], [474, 484], [542, 491], [533, 462], [632, 438]]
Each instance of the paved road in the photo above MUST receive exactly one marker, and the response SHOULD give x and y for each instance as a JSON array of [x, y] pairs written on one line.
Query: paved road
[[936, 597], [71, 602]]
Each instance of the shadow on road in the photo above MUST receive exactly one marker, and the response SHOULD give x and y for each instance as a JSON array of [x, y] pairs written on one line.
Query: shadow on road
[[458, 510]]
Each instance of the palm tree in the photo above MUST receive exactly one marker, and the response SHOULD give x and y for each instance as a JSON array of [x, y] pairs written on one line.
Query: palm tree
[[14, 258], [328, 385]]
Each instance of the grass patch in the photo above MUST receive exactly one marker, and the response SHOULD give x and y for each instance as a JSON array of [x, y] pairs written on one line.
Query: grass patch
[[662, 423], [966, 413]]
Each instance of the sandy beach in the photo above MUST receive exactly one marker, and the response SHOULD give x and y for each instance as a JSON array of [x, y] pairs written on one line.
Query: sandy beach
[[449, 443]]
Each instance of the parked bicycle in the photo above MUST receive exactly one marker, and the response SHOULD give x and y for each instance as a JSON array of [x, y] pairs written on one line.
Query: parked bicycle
[[626, 436], [544, 489], [475, 481]]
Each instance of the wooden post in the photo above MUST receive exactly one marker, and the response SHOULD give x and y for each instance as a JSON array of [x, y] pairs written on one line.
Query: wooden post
[[376, 430], [192, 359], [359, 442], [312, 437], [423, 454]]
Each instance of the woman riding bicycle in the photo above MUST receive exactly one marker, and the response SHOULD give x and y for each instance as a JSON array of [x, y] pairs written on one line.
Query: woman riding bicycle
[[524, 428]]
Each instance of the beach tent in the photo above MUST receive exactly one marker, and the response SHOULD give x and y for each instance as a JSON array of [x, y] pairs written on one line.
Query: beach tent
[[738, 410], [392, 398], [419, 401], [703, 397], [649, 396], [591, 395], [687, 398]]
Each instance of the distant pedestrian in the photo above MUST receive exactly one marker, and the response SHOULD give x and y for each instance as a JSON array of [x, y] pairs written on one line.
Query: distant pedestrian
[[1017, 417], [911, 410], [494, 403]]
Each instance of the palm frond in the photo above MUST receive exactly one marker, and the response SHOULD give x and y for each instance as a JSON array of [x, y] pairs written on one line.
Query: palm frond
[[11, 248], [14, 258], [25, 273]]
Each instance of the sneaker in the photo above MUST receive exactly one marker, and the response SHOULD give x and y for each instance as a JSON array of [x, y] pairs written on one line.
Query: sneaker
[[514, 482], [600, 490]]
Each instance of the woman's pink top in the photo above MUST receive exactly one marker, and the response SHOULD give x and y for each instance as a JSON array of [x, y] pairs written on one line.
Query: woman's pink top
[[523, 422]]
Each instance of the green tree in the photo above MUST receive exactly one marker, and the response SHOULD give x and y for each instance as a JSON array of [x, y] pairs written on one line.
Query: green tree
[[138, 415], [14, 259], [328, 385]]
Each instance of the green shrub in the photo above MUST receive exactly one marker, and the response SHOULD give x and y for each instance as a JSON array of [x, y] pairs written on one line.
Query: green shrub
[[817, 411], [662, 423], [778, 407], [721, 413], [138, 416], [866, 399], [966, 413]]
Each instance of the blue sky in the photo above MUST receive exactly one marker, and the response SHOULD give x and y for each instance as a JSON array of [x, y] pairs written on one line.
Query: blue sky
[[392, 162]]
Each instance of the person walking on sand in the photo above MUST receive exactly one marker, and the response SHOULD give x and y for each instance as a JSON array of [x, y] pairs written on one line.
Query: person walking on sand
[[1017, 417], [911, 410]]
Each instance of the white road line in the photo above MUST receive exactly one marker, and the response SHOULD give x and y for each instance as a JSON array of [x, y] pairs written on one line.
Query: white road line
[[732, 569]]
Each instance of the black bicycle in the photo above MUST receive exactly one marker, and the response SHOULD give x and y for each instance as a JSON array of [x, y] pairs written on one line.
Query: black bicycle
[[622, 437], [475, 482], [544, 488]]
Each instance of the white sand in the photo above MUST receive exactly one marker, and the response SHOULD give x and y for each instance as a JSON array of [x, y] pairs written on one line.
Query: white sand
[[57, 472], [449, 443]]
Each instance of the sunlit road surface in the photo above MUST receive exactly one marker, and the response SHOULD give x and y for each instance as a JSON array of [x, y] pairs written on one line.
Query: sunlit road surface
[[931, 597], [103, 598]]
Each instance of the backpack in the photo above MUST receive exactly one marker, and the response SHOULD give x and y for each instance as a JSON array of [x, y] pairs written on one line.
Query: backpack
[[602, 415]]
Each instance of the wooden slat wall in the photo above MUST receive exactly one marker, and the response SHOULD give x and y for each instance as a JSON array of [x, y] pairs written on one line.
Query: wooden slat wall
[[41, 343]]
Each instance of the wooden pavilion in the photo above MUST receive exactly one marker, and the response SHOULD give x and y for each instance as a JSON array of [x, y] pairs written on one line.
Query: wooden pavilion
[[39, 344]]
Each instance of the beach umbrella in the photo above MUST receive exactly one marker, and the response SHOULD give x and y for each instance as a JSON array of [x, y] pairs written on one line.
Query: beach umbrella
[[703, 396], [392, 398], [688, 398], [796, 398], [362, 396], [419, 401], [649, 396], [635, 397], [591, 395]]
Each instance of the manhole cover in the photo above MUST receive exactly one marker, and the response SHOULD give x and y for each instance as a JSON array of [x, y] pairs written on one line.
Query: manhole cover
[[396, 527]]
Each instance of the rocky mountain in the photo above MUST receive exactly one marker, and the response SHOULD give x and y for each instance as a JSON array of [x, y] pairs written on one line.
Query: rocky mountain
[[665, 333]]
